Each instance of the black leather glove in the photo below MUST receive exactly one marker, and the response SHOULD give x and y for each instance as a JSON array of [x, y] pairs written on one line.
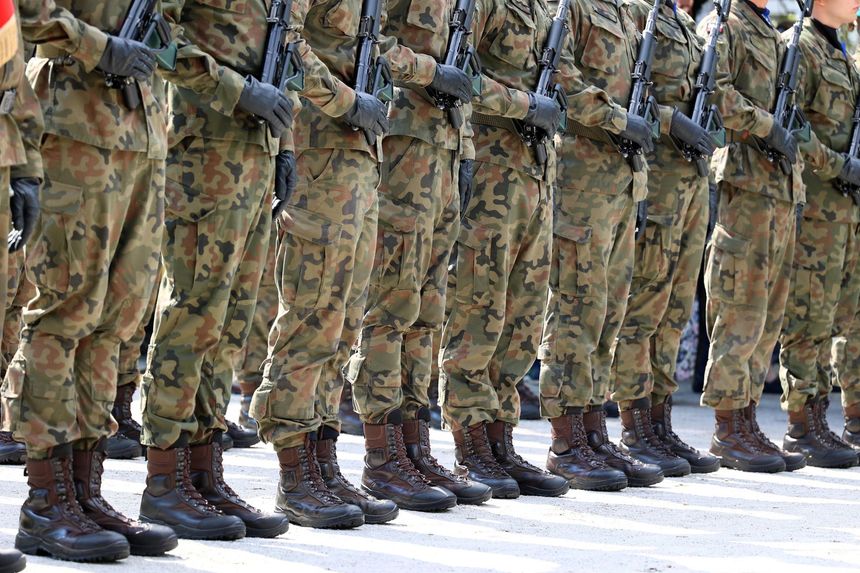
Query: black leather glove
[[782, 141], [452, 81], [686, 130], [128, 59], [851, 171], [286, 180], [639, 132], [368, 113], [465, 184], [24, 205], [544, 113], [267, 102]]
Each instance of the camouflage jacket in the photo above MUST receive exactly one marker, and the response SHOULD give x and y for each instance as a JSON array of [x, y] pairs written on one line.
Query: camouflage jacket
[[595, 71], [750, 54], [828, 89], [71, 38]]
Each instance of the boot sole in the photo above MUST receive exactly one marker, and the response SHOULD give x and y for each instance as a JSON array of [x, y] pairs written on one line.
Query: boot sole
[[329, 523], [675, 472], [380, 519], [169, 544], [411, 505], [478, 500], [237, 443], [834, 465], [644, 482], [14, 459], [231, 533], [26, 543], [506, 492], [794, 467], [535, 491], [709, 469], [267, 532], [127, 453], [613, 484], [745, 467]]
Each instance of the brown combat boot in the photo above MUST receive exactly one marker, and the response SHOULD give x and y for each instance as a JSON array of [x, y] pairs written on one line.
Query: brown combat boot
[[416, 435], [11, 451], [125, 444], [806, 436], [571, 458], [303, 495], [819, 409], [375, 510], [851, 433], [207, 476], [350, 423], [661, 420], [390, 474], [639, 441], [531, 479], [171, 499], [143, 538], [638, 474], [793, 461], [474, 459], [736, 447], [53, 522]]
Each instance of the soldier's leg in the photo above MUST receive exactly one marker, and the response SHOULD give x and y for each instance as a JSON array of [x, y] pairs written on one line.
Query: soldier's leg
[[11, 451], [12, 319], [843, 358]]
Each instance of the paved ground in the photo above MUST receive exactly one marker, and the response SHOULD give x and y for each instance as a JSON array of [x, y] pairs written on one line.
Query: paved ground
[[728, 521]]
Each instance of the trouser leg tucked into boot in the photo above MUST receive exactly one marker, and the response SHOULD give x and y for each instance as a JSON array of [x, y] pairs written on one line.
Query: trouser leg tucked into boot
[[571, 458], [531, 479], [125, 444], [638, 474], [736, 447], [639, 441], [474, 459], [793, 461], [806, 436], [661, 420]]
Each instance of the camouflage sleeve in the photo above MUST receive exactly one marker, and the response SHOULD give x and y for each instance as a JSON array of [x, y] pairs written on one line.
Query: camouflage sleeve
[[27, 114], [407, 66], [43, 22], [496, 98], [287, 141], [739, 113]]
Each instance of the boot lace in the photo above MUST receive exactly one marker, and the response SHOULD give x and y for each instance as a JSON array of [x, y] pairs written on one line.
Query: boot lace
[[645, 429], [757, 433], [483, 456], [221, 485], [583, 450], [407, 469], [670, 438], [186, 488], [64, 486], [611, 448], [513, 455], [341, 480], [125, 410], [830, 437], [429, 459], [96, 490], [314, 479]]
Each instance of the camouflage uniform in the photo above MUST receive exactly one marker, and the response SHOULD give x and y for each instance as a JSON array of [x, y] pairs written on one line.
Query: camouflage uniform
[[824, 295], [95, 251], [325, 237], [750, 252], [390, 367], [669, 255], [593, 240], [492, 332]]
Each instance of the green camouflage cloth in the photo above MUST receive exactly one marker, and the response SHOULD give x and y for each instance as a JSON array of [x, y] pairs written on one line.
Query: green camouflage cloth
[[493, 329], [592, 255], [128, 369], [669, 255], [825, 259]]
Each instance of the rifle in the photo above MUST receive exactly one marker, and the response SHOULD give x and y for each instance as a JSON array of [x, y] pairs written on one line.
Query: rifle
[[705, 114], [461, 55], [146, 25], [282, 64], [548, 66], [372, 76], [853, 150], [786, 112]]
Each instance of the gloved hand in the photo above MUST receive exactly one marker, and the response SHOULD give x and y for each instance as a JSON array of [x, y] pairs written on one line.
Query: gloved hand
[[368, 113], [465, 184], [544, 113], [452, 81], [128, 59], [286, 180], [639, 132], [266, 102], [24, 205], [782, 141], [686, 130], [851, 171]]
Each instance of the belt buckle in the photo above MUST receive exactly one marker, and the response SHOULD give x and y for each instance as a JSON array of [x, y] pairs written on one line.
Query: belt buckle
[[7, 102]]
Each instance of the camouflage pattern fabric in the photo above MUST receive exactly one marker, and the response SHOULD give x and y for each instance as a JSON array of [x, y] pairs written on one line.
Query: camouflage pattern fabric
[[128, 370]]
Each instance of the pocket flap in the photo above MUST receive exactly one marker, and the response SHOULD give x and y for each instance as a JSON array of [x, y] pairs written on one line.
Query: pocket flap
[[473, 235], [724, 240], [661, 220], [59, 197], [310, 226], [575, 233], [400, 218]]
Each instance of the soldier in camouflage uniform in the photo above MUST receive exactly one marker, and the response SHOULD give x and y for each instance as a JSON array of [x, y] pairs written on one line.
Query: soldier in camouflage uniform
[[323, 263], [492, 332], [751, 250], [668, 255], [825, 291], [93, 260], [419, 207]]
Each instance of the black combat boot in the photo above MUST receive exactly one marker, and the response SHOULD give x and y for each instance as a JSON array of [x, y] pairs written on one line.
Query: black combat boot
[[143, 538], [171, 499], [793, 461], [416, 435], [12, 561], [529, 402], [207, 476], [11, 452], [639, 441], [53, 522], [661, 419], [805, 436], [474, 459], [736, 447], [531, 479], [571, 457], [851, 433], [240, 436], [390, 474], [350, 423], [125, 444], [375, 510], [819, 409], [638, 474], [303, 495]]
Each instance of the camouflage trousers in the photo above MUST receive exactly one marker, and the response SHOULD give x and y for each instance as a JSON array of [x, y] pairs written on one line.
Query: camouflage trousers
[[747, 279], [821, 314], [19, 290], [668, 260], [93, 259], [13, 269], [325, 253], [593, 244], [499, 293], [128, 371], [391, 364], [217, 224]]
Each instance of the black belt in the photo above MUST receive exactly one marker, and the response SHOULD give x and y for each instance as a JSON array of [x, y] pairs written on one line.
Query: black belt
[[7, 101]]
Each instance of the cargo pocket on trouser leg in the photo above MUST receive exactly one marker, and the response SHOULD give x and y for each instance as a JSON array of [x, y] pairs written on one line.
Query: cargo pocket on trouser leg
[[728, 272], [654, 252]]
